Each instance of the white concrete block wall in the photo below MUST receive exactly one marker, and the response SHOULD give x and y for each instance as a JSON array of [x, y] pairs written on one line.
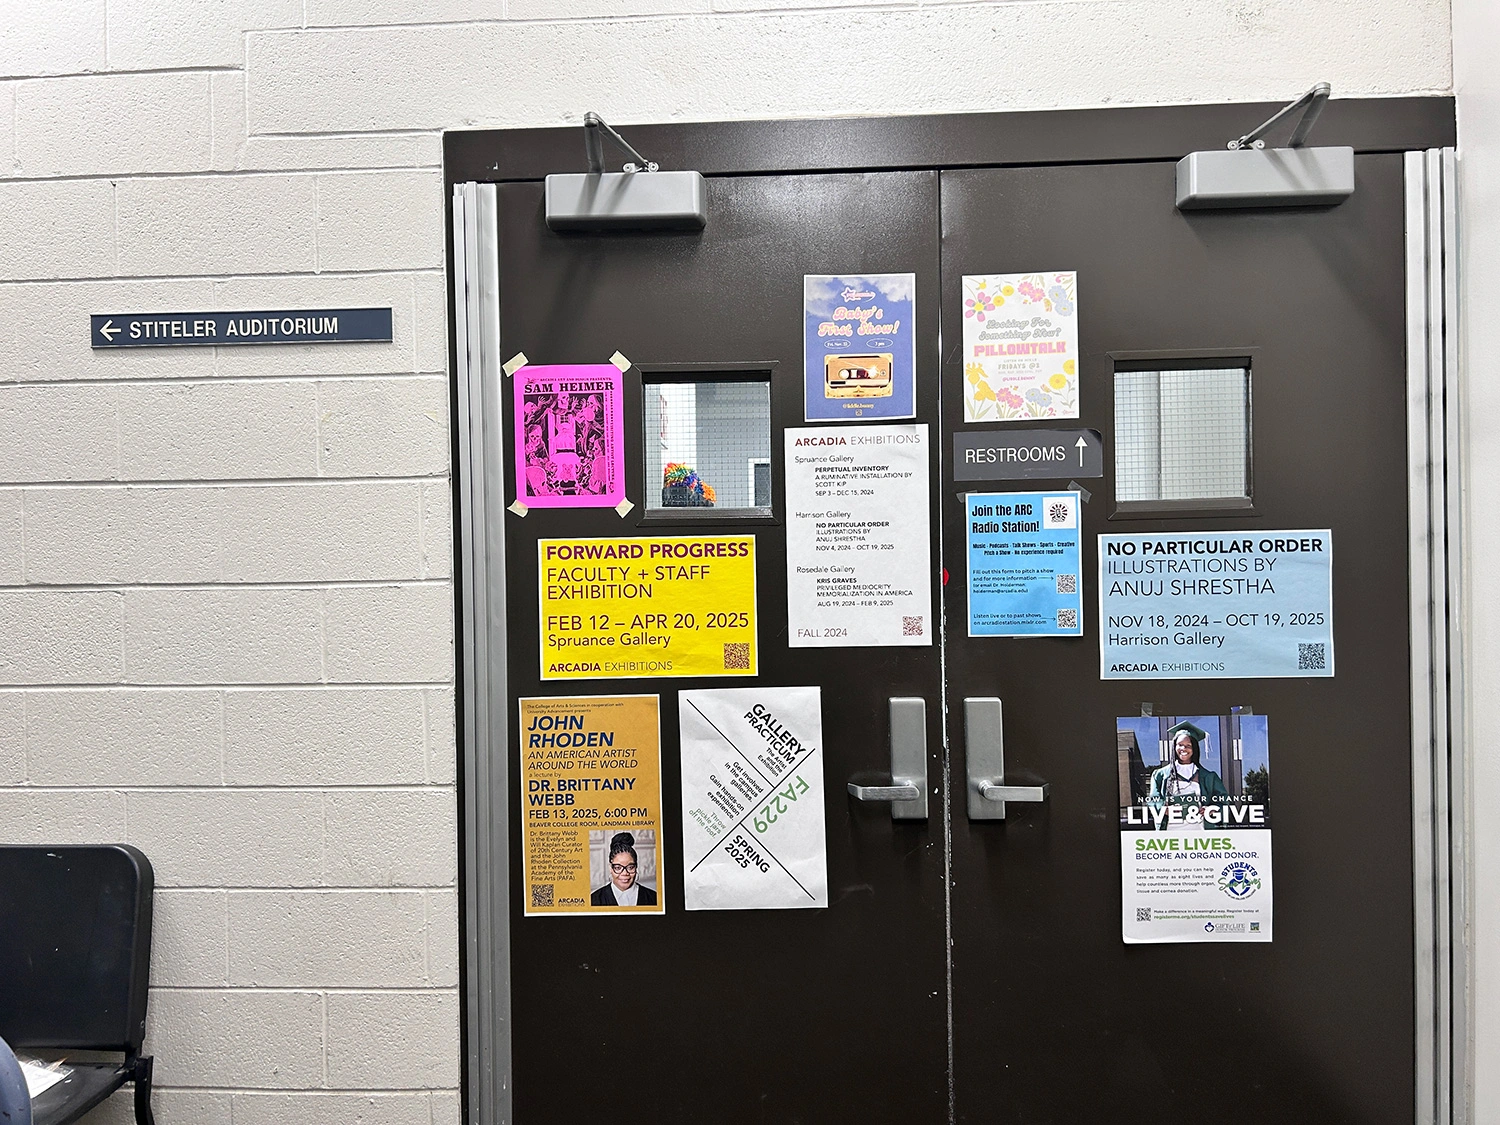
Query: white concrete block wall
[[226, 625], [1476, 38]]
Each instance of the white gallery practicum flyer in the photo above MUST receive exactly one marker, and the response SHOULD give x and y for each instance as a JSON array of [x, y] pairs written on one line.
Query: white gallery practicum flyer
[[752, 799]]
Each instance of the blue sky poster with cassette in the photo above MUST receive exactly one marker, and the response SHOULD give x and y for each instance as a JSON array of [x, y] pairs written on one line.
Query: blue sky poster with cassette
[[859, 346], [1025, 565]]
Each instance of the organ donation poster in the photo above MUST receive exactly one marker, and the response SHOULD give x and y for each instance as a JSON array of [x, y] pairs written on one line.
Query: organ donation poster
[[570, 438], [1216, 605], [591, 814], [1020, 341], [859, 346], [752, 799], [858, 537], [614, 608], [1195, 827]]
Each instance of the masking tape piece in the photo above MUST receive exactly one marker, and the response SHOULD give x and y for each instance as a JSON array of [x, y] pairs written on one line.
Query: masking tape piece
[[519, 508], [515, 363], [1083, 494], [620, 361], [624, 507]]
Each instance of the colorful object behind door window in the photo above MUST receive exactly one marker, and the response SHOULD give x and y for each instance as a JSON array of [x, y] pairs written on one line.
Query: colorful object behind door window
[[682, 487], [570, 442]]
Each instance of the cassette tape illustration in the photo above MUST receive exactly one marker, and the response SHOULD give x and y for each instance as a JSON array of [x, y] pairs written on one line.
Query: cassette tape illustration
[[858, 376]]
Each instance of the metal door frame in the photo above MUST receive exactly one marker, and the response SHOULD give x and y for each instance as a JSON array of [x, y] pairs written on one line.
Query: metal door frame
[[480, 555], [1422, 128], [1440, 736]]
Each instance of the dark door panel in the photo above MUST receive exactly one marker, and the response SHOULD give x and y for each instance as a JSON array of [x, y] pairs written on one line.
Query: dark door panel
[[1055, 1019], [735, 1016]]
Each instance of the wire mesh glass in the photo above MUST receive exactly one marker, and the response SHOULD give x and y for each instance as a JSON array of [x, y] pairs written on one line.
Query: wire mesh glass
[[1182, 434], [708, 446]]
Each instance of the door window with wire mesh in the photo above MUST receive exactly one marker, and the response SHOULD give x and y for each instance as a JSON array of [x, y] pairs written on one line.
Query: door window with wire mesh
[[708, 446], [1182, 437]]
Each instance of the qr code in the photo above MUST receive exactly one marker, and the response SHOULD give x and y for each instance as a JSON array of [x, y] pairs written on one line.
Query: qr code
[[1067, 583], [1067, 619], [737, 655], [1312, 657], [1143, 914], [541, 894], [911, 626]]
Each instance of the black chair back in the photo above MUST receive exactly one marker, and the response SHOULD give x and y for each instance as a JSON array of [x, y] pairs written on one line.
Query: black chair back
[[75, 946]]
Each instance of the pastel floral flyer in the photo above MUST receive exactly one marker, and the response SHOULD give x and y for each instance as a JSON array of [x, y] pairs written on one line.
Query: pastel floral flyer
[[1020, 346]]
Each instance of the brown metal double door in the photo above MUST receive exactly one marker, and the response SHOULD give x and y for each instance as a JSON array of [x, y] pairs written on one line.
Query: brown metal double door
[[974, 971]]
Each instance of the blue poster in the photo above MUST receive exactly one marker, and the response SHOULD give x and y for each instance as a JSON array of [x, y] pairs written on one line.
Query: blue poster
[[860, 346], [1215, 605], [1025, 571]]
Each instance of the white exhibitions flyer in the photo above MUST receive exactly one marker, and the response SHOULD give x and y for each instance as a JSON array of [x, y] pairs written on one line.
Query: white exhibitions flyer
[[858, 537]]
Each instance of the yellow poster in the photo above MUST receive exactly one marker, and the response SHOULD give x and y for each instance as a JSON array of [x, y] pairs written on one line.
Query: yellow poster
[[681, 605], [591, 804]]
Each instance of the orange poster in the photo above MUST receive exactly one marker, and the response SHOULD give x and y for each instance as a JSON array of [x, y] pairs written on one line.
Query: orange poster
[[591, 804]]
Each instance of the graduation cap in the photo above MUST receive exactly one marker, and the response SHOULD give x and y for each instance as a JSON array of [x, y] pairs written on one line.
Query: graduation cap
[[1196, 733]]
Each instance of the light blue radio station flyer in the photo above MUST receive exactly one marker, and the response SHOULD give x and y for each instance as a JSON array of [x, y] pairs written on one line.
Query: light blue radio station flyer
[[1216, 605], [859, 346], [1025, 564]]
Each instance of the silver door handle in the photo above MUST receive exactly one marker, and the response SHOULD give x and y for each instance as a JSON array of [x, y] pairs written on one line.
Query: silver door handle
[[1013, 792], [907, 792], [984, 745], [884, 792]]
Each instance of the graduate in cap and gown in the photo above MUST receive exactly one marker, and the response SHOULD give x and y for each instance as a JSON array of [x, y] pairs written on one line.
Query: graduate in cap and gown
[[1184, 781]]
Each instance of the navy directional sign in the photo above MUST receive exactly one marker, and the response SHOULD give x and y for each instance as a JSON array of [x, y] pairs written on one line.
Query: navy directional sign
[[217, 329], [1027, 454]]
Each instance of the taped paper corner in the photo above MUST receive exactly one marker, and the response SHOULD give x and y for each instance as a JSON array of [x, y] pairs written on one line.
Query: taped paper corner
[[514, 364], [520, 509], [620, 361], [624, 508]]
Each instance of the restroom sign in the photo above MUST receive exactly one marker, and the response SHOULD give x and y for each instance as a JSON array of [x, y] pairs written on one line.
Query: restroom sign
[[220, 329], [1027, 454]]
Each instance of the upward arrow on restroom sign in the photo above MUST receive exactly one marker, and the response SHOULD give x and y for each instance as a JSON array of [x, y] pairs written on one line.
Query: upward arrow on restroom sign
[[218, 329], [1027, 454]]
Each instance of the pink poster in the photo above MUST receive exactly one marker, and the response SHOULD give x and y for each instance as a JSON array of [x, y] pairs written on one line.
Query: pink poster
[[570, 436]]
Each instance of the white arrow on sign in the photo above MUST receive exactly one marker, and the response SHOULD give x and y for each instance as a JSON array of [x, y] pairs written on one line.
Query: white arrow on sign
[[1082, 445], [107, 332]]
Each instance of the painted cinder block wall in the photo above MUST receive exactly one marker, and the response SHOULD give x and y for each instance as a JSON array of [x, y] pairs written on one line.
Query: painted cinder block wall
[[226, 625]]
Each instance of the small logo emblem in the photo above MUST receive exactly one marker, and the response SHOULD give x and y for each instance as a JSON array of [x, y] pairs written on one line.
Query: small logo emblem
[[1060, 511], [1208, 927], [1239, 880]]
